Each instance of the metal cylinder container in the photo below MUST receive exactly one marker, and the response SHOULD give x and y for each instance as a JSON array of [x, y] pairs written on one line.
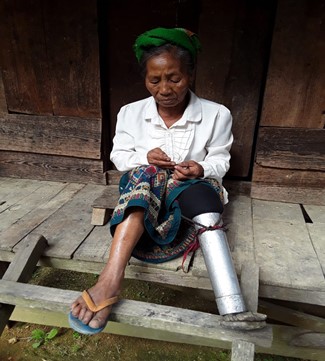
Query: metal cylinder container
[[219, 265]]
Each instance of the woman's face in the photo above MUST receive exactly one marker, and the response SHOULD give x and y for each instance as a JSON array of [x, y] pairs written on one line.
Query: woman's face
[[167, 80]]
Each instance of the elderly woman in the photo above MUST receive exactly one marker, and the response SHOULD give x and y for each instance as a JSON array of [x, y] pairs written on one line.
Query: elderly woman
[[174, 148]]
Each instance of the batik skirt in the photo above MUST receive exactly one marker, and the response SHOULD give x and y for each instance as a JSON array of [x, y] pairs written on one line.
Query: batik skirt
[[167, 235]]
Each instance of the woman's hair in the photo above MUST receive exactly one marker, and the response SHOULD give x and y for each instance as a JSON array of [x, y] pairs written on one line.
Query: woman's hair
[[180, 53]]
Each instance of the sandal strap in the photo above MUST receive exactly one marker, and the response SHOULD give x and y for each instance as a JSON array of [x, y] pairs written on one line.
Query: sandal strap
[[95, 308]]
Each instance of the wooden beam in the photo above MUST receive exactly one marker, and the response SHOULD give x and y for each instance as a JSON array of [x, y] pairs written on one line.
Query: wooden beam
[[21, 269], [51, 167], [292, 317], [68, 136], [249, 281], [291, 148], [242, 351], [280, 346], [288, 194], [141, 314]]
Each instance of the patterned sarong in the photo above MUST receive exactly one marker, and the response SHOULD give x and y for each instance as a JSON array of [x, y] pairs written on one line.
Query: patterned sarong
[[166, 236]]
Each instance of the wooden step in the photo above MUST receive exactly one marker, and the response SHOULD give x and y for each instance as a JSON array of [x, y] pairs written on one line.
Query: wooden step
[[135, 313]]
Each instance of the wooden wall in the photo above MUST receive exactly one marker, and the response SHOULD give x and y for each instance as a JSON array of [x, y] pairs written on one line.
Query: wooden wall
[[290, 156], [50, 91], [68, 66]]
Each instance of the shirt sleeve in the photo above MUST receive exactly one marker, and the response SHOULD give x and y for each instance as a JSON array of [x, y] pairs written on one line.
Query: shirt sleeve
[[217, 161], [123, 155]]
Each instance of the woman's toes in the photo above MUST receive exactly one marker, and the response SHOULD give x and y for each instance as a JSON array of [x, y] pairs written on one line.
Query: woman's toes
[[75, 310], [100, 318], [82, 313], [87, 317]]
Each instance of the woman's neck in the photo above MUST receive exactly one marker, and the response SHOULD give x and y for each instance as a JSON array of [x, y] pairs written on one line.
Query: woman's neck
[[173, 114]]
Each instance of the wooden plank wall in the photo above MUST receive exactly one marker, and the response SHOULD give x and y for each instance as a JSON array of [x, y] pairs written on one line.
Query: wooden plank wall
[[290, 157], [50, 101], [236, 39]]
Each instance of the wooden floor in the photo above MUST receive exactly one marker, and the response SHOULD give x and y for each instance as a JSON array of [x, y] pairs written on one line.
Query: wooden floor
[[289, 251]]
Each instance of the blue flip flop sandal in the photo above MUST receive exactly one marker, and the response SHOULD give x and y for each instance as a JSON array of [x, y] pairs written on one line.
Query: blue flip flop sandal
[[79, 326]]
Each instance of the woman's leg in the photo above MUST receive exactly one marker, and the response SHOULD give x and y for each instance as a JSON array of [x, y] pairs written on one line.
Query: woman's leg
[[126, 236]]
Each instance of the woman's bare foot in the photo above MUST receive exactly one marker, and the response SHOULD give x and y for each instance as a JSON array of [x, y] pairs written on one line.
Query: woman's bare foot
[[99, 293]]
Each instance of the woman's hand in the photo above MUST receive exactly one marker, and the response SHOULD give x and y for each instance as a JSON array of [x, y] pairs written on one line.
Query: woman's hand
[[188, 170], [160, 159]]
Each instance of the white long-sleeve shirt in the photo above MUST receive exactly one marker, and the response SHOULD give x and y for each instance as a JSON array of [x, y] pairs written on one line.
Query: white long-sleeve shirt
[[203, 134]]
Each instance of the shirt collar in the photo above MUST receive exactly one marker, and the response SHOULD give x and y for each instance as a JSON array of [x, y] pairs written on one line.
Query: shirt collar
[[192, 113]]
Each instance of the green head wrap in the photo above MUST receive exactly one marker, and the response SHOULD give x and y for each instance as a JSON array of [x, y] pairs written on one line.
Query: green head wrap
[[161, 36]]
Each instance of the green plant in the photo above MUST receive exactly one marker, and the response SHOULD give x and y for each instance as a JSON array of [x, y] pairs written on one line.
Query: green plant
[[40, 336]]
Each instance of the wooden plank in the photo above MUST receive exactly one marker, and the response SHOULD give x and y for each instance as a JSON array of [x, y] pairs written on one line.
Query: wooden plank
[[294, 94], [289, 148], [249, 283], [104, 205], [3, 102], [71, 35], [13, 190], [136, 313], [48, 167], [23, 226], [288, 177], [100, 216], [235, 38], [280, 344], [284, 251], [70, 136], [242, 351], [96, 246], [25, 62], [316, 213], [292, 317], [43, 194], [290, 194], [108, 199], [66, 229], [277, 211], [317, 236], [21, 269], [309, 339], [311, 296]]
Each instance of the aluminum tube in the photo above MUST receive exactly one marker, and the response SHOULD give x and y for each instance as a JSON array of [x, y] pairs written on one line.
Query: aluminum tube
[[220, 266]]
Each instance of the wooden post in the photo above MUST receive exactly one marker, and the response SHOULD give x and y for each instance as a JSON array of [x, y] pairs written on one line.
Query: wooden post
[[243, 350], [21, 269]]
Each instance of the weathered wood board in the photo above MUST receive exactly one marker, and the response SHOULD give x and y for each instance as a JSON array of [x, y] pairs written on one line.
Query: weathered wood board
[[3, 102], [135, 313], [279, 147], [13, 190], [67, 229], [294, 94], [21, 269], [51, 167], [96, 246], [316, 230], [43, 76], [283, 248], [69, 136], [235, 39], [43, 194], [23, 226]]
